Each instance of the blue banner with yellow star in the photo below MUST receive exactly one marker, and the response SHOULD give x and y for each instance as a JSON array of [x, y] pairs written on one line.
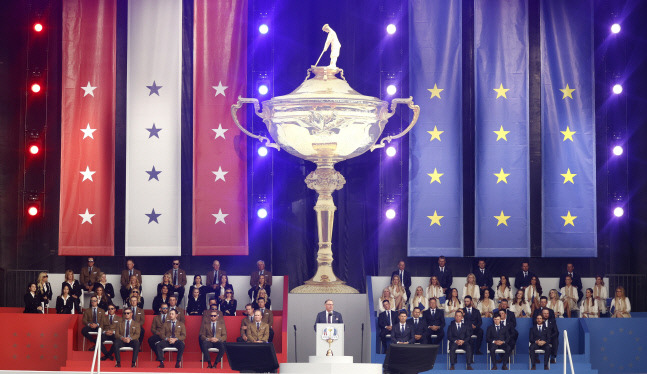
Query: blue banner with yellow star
[[501, 128], [435, 157], [568, 129]]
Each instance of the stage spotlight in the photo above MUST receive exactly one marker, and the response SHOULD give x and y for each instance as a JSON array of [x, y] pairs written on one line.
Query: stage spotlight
[[390, 213], [391, 151], [618, 150], [391, 29], [38, 27], [35, 88], [33, 149], [618, 212], [263, 29], [615, 28], [391, 89], [261, 213], [32, 211], [262, 151], [617, 89], [263, 90]]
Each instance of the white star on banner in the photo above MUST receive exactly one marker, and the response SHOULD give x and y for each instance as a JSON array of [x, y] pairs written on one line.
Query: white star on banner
[[220, 131], [87, 132], [220, 89], [220, 174], [87, 217], [87, 174], [88, 90], [220, 217]]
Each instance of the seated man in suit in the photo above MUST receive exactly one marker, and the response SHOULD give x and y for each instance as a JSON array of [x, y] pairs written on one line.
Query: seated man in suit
[[575, 278], [512, 328], [172, 304], [214, 334], [268, 317], [139, 316], [474, 320], [328, 315], [174, 333], [551, 326], [178, 279], [444, 275], [484, 278], [109, 328], [258, 331], [523, 277], [458, 335], [543, 302], [405, 278], [510, 318], [386, 320], [245, 322], [92, 320], [127, 335], [213, 276], [539, 337], [253, 279], [435, 319], [498, 337], [89, 275], [402, 333], [418, 326], [157, 326], [125, 278]]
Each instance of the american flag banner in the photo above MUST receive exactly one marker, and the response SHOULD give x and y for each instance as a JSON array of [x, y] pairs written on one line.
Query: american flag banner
[[501, 128], [87, 201], [435, 158], [568, 129]]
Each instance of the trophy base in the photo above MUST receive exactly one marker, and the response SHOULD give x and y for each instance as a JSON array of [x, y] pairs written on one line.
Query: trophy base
[[324, 287]]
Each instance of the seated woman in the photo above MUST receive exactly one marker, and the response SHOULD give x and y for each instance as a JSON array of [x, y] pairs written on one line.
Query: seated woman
[[140, 299], [503, 290], [44, 288], [453, 304], [555, 304], [224, 286], [263, 294], [589, 307], [570, 296], [66, 304], [600, 294], [434, 290], [228, 304], [486, 305], [107, 287], [398, 292], [519, 306], [386, 295], [620, 305], [160, 299], [166, 280], [102, 296], [133, 286], [418, 300], [533, 294], [196, 303], [471, 288], [253, 292], [32, 300], [74, 284], [197, 283]]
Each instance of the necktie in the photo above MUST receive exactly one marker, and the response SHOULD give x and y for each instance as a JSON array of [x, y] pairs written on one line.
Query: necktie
[[130, 273], [175, 277], [442, 270], [415, 322], [128, 328], [497, 329], [94, 315], [213, 329], [251, 319], [330, 318], [258, 325], [163, 318], [215, 277], [173, 329], [539, 328], [459, 326], [111, 317], [433, 312], [525, 274], [402, 276], [571, 274], [90, 270], [503, 322], [134, 310], [402, 328], [388, 316]]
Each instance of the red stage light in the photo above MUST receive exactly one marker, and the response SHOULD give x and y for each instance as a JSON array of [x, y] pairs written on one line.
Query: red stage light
[[35, 88], [34, 149], [32, 210], [38, 27]]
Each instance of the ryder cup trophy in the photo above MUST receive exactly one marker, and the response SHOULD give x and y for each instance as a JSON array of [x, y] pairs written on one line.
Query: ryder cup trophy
[[325, 121]]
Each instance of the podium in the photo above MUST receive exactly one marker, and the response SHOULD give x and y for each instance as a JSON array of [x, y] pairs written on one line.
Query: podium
[[335, 334]]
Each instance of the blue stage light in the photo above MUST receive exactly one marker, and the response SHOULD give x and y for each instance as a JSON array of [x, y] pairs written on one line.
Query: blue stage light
[[617, 89], [391, 89], [391, 29], [261, 213], [390, 213], [618, 212], [618, 150], [263, 29], [391, 151], [615, 28], [262, 151], [263, 89]]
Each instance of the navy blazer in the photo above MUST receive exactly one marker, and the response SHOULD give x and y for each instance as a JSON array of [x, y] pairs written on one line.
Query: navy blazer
[[321, 318], [520, 281], [453, 334], [536, 335], [406, 280], [383, 321], [510, 316], [398, 336], [553, 331], [438, 319], [421, 329], [444, 278], [484, 279], [473, 318], [503, 334], [551, 314]]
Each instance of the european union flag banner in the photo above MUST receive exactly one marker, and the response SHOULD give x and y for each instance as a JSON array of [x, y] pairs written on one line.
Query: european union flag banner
[[435, 157], [501, 120], [568, 129]]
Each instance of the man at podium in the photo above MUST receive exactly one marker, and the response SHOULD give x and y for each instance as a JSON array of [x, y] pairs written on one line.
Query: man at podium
[[329, 315]]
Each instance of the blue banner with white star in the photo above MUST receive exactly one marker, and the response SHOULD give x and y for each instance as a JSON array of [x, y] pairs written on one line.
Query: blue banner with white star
[[568, 129], [501, 128], [435, 155]]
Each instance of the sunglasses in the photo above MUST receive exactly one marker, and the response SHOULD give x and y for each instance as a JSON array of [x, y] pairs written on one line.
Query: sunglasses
[[127, 312], [176, 263], [164, 308], [111, 308], [214, 316]]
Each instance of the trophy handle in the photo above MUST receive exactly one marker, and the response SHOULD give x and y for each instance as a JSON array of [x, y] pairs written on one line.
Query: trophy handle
[[416, 114], [257, 110]]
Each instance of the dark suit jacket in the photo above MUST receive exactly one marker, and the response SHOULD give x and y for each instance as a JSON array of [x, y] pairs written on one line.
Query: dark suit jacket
[[383, 321], [75, 288], [253, 292], [181, 277], [520, 281], [553, 331], [406, 280], [406, 336], [157, 303], [63, 307], [536, 335], [474, 318], [551, 314], [110, 291], [453, 334], [444, 278], [420, 330], [322, 318], [253, 281], [32, 303], [510, 316], [486, 280], [577, 282], [196, 307], [45, 296], [438, 318], [125, 278], [492, 334]]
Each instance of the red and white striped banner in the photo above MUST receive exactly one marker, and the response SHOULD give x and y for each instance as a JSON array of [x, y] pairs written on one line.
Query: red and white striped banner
[[219, 147], [87, 197]]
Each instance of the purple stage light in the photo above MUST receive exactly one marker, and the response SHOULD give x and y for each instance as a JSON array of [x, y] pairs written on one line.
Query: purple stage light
[[618, 150], [261, 213], [391, 29], [391, 151], [262, 151], [615, 28], [618, 212], [263, 29], [263, 89], [617, 89], [391, 89], [390, 213]]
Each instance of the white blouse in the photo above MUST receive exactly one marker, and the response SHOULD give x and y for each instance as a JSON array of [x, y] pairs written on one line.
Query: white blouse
[[473, 290], [437, 292], [485, 308], [521, 311], [601, 294], [381, 306], [416, 301], [506, 294], [623, 306], [450, 308], [531, 293], [569, 296], [588, 310], [557, 307]]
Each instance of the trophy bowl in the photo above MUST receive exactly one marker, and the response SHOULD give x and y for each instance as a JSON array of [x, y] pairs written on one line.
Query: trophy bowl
[[325, 121]]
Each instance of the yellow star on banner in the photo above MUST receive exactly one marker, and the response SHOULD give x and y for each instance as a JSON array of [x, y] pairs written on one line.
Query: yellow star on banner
[[435, 218], [435, 176], [435, 134], [568, 134], [568, 92], [568, 177], [501, 91], [502, 219], [435, 91], [501, 134], [501, 176], [568, 219]]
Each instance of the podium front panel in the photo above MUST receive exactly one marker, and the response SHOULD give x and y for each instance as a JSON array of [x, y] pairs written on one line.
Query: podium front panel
[[334, 331]]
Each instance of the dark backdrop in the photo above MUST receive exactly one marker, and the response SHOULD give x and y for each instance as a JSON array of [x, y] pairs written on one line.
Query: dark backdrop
[[363, 244]]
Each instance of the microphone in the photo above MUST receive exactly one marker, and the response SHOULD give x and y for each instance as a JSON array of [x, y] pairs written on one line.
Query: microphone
[[295, 327]]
